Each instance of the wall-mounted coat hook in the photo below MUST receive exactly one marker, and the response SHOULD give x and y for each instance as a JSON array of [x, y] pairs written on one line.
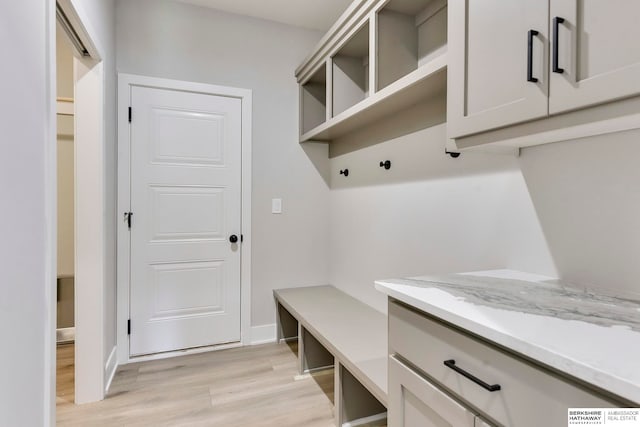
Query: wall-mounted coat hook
[[386, 164], [344, 172], [453, 154]]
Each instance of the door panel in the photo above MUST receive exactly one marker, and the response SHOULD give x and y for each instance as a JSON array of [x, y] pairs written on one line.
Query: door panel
[[598, 51], [204, 219], [185, 196], [488, 46], [190, 288], [415, 402]]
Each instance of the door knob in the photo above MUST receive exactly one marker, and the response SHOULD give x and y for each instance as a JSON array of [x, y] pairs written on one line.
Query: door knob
[[233, 238]]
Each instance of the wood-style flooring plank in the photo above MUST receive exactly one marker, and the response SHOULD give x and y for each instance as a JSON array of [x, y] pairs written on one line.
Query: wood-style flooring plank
[[251, 386]]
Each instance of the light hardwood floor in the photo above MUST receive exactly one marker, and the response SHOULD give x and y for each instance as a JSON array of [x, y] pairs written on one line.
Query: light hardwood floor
[[251, 386]]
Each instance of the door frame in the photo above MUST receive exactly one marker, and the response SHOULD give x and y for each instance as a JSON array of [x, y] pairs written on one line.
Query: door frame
[[125, 82]]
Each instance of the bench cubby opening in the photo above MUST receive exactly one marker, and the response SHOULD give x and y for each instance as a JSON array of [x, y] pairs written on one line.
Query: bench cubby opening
[[287, 325], [410, 34], [351, 71], [313, 355], [354, 404]]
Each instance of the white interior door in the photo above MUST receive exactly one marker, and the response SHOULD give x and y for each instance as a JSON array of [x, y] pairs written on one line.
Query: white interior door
[[186, 203]]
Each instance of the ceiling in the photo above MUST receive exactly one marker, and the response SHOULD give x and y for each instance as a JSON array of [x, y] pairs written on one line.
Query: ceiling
[[311, 14]]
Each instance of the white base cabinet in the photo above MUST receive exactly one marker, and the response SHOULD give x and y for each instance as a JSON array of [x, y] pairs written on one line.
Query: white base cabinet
[[440, 376]]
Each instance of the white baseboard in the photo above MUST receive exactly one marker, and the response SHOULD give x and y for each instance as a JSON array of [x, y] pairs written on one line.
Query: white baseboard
[[178, 353], [263, 334], [110, 369]]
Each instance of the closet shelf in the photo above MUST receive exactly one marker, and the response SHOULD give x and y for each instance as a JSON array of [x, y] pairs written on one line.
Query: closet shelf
[[426, 82]]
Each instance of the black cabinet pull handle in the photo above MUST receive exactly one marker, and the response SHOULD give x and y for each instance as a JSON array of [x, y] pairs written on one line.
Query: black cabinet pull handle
[[530, 78], [556, 24], [233, 238], [490, 387]]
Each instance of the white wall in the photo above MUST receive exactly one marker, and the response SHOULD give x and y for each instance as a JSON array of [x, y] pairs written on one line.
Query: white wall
[[568, 209], [27, 217], [64, 65], [178, 41], [64, 89], [586, 195], [429, 213]]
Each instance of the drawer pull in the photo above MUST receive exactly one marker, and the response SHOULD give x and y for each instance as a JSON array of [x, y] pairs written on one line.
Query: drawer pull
[[531, 35], [490, 387]]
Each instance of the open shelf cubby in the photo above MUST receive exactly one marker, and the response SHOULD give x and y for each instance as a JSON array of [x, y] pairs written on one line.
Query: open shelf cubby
[[314, 100], [381, 59], [410, 34], [351, 72]]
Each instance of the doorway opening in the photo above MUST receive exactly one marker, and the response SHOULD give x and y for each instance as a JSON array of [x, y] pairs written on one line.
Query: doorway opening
[[65, 277], [79, 207]]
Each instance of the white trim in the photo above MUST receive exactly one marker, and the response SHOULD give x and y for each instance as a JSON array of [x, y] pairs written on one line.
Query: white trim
[[80, 23], [90, 231], [50, 223], [365, 420], [125, 81], [177, 353], [263, 334], [110, 368]]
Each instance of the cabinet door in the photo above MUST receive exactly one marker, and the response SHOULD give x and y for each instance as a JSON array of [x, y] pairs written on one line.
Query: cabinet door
[[489, 83], [415, 402], [597, 52]]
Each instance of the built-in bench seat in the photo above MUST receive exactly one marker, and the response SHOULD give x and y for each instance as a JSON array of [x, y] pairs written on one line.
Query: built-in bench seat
[[335, 329]]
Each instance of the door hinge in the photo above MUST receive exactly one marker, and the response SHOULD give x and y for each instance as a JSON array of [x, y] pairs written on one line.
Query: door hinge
[[129, 327], [130, 114], [127, 218]]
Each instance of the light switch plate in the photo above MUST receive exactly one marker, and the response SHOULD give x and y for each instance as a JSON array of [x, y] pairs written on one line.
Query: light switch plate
[[276, 206]]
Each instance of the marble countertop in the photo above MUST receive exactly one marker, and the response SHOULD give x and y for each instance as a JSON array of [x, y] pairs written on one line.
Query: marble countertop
[[590, 336]]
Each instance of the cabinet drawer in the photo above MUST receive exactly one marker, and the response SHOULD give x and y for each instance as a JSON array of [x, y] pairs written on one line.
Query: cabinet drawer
[[528, 395], [415, 402]]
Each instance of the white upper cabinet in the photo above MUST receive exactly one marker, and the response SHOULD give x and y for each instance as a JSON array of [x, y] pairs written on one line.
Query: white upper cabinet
[[595, 52], [498, 73], [528, 72]]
